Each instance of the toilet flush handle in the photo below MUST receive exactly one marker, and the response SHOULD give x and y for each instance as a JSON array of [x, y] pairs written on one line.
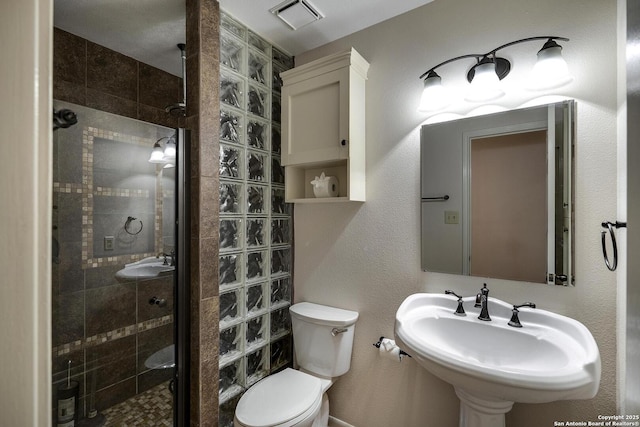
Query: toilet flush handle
[[336, 331]]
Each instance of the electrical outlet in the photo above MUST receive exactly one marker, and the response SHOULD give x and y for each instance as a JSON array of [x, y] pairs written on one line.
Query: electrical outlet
[[451, 217], [108, 243]]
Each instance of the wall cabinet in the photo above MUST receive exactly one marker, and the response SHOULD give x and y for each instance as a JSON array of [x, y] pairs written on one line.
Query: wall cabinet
[[323, 126]]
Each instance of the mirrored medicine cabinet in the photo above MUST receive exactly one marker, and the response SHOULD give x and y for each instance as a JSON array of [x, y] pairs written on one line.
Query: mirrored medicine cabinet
[[497, 195]]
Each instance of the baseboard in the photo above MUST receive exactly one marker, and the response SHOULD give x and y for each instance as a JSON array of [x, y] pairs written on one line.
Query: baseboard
[[334, 422]]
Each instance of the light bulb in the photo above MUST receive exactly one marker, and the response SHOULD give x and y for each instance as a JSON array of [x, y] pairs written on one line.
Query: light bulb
[[485, 85], [551, 70], [169, 151], [434, 95], [157, 154]]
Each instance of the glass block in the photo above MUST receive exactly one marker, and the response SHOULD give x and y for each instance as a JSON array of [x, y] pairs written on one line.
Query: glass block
[[276, 81], [231, 125], [231, 52], [230, 234], [281, 292], [233, 26], [256, 231], [276, 139], [257, 134], [231, 343], [230, 307], [230, 270], [276, 109], [256, 302], [255, 199], [230, 381], [258, 68], [280, 232], [256, 332], [259, 43], [281, 351], [256, 165], [280, 322], [257, 101], [278, 206], [257, 365], [279, 56], [230, 193], [277, 171], [256, 265], [281, 261], [231, 90], [230, 163]]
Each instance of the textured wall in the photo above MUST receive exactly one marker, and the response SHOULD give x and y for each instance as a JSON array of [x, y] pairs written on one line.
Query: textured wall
[[366, 257]]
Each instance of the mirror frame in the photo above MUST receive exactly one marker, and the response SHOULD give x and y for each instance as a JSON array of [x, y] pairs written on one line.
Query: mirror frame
[[451, 252]]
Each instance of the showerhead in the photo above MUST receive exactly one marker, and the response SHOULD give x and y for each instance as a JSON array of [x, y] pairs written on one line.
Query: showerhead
[[180, 108], [64, 118]]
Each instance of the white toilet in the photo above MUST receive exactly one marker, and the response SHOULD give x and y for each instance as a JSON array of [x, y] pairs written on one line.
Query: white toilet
[[323, 340]]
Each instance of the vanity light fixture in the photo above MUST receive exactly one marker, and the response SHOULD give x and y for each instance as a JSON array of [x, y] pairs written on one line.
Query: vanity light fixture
[[550, 71], [166, 155]]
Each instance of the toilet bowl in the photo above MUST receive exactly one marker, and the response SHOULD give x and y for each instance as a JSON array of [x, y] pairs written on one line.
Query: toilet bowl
[[286, 399], [323, 341]]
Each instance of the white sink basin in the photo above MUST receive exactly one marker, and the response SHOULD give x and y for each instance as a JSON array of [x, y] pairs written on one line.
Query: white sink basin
[[147, 268], [552, 357], [161, 359]]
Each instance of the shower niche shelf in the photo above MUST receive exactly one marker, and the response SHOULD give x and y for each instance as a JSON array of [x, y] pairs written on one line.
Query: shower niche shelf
[[323, 127]]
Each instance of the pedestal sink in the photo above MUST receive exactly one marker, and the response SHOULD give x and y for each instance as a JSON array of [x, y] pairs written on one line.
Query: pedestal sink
[[146, 268], [492, 365]]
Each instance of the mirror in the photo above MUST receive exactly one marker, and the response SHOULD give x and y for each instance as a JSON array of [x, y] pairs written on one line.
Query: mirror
[[497, 195]]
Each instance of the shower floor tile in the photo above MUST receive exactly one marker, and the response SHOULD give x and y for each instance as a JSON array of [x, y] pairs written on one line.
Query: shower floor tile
[[154, 407]]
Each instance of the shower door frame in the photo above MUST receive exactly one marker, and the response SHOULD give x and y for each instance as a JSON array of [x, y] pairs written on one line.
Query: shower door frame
[[181, 290]]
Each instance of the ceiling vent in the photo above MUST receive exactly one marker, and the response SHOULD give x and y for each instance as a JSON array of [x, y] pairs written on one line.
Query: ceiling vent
[[296, 13]]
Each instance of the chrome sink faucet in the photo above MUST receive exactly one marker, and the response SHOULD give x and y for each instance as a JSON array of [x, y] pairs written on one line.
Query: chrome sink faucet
[[482, 300], [165, 255]]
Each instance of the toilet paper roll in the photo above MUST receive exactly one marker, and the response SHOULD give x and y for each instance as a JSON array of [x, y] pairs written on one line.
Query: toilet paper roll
[[389, 350], [326, 188]]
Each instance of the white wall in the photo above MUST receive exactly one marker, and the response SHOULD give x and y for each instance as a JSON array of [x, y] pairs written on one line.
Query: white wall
[[25, 212], [366, 257]]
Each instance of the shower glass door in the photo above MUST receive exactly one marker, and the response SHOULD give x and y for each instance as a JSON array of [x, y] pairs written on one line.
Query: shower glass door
[[115, 256]]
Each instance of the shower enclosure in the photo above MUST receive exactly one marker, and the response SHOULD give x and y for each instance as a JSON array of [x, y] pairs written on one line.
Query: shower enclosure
[[118, 283]]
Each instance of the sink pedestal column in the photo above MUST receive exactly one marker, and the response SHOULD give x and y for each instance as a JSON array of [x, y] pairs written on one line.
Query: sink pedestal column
[[479, 412]]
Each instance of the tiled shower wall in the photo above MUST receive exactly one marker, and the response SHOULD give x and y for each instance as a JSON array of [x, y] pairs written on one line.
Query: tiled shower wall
[[255, 223], [96, 320]]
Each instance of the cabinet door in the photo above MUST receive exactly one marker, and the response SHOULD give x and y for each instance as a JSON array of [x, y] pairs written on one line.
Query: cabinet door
[[315, 126]]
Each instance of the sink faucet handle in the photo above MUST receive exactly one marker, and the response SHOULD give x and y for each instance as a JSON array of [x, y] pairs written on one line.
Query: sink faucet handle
[[515, 321], [483, 291], [460, 310]]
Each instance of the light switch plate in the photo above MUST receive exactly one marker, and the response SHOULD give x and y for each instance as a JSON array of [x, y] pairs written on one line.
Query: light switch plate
[[451, 217], [108, 243]]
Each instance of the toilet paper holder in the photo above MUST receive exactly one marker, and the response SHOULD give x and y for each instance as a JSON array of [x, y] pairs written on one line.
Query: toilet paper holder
[[379, 343]]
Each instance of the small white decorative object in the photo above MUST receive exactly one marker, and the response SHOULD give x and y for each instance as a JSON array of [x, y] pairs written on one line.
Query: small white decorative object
[[325, 186]]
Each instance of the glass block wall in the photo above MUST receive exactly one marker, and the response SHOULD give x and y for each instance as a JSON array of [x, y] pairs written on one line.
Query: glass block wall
[[255, 223]]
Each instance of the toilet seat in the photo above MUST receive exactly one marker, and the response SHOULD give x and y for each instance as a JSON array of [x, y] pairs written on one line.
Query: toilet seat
[[283, 399]]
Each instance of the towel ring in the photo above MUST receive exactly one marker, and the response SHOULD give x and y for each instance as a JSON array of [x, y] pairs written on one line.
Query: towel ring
[[128, 224], [611, 265]]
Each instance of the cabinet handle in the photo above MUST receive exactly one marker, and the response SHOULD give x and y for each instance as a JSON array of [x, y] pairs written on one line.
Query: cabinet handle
[[343, 142]]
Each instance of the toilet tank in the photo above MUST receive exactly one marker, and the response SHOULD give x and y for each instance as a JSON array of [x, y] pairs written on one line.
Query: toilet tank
[[317, 349]]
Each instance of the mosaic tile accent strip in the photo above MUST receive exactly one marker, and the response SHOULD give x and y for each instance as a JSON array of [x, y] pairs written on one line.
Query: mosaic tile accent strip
[[111, 335], [88, 191], [66, 187], [154, 408], [255, 236]]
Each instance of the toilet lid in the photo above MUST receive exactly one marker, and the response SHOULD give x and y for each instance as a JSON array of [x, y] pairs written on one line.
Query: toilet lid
[[278, 398]]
